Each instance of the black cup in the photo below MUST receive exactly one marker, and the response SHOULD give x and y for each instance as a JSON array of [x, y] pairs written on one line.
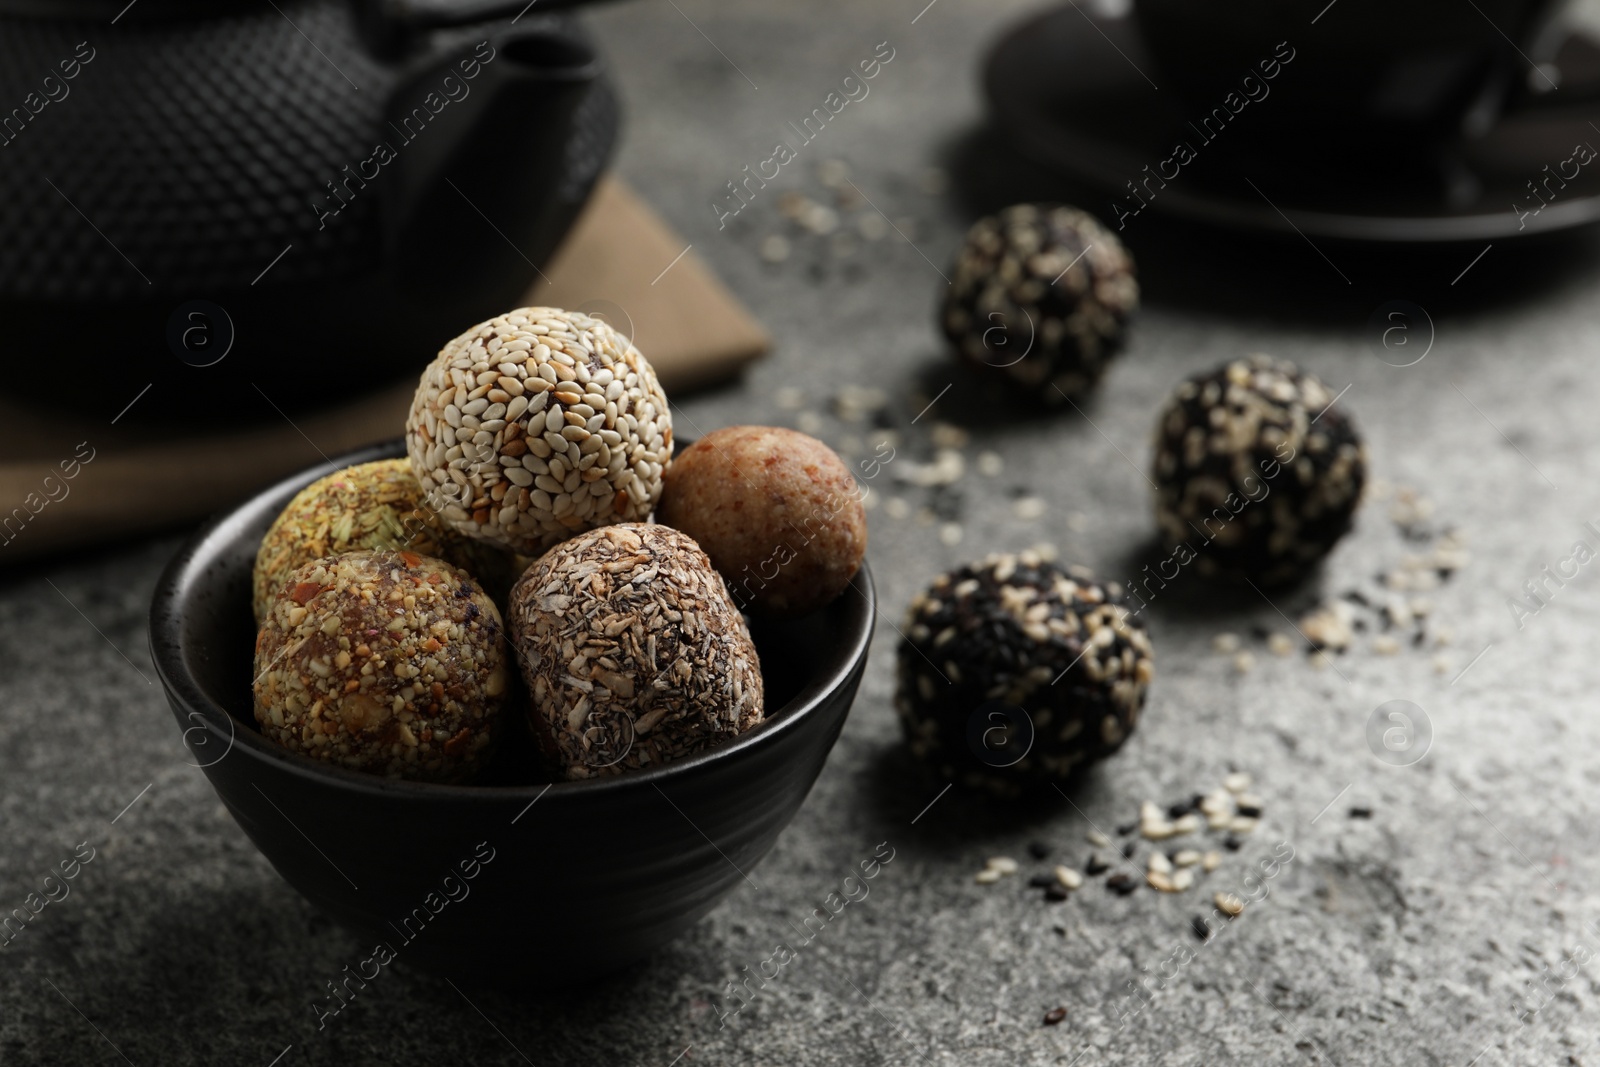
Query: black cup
[[1349, 69]]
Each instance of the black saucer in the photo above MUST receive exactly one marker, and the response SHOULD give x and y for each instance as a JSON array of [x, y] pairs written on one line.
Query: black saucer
[[1073, 92]]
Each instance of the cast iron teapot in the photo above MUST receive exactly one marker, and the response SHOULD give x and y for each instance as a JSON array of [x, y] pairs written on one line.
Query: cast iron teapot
[[293, 198]]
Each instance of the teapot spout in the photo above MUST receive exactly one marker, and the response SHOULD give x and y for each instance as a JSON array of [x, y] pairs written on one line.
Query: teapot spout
[[481, 145]]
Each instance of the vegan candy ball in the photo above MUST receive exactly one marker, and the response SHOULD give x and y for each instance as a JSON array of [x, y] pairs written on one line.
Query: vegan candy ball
[[777, 512], [367, 506], [1258, 472], [1041, 295], [1015, 672], [537, 424], [386, 662], [633, 653]]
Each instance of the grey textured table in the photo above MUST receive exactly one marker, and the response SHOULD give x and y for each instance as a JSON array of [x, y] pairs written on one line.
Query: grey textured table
[[1453, 924]]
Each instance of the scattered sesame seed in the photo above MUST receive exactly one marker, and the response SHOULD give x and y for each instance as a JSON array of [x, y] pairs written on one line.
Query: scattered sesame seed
[[1237, 782], [1096, 865], [1069, 878], [1244, 663], [1361, 813], [1225, 643], [1187, 857], [1122, 884], [987, 876], [1280, 645], [1003, 864], [1055, 893], [1038, 849], [950, 534], [1212, 861], [1054, 1016], [1228, 903], [1041, 881], [1098, 838], [990, 465], [1201, 928], [1243, 824]]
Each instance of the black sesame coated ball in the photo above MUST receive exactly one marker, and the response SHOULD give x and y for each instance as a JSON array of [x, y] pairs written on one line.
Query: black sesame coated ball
[[1258, 472], [1041, 295], [1015, 672]]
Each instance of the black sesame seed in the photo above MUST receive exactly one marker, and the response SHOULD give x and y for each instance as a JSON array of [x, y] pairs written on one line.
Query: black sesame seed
[[1038, 850], [1042, 881], [1056, 893], [1419, 637], [1356, 597], [1129, 849], [1096, 866], [1233, 843], [1184, 807], [1250, 810], [1054, 1015], [1121, 884], [1127, 828], [1361, 813], [1201, 928]]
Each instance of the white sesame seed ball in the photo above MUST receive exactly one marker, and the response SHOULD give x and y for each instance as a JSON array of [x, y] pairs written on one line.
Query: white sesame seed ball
[[536, 425], [1040, 295]]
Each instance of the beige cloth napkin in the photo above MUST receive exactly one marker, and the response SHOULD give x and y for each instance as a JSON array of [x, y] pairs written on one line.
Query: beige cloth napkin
[[55, 494]]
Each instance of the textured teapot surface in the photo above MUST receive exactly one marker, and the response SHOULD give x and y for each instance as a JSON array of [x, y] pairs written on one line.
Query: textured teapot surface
[[153, 157]]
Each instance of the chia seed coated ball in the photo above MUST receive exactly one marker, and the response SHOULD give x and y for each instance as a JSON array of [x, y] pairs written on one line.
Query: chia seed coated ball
[[367, 506], [1041, 295], [1015, 672], [777, 511], [538, 424], [1258, 474], [633, 652], [385, 662]]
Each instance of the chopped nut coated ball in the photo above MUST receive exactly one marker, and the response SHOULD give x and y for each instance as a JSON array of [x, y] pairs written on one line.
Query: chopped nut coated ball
[[386, 662]]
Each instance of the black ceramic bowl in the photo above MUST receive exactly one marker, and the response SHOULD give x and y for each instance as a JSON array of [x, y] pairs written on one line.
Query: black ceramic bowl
[[568, 880]]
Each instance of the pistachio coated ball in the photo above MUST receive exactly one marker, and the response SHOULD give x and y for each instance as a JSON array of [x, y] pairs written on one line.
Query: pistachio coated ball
[[367, 506]]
